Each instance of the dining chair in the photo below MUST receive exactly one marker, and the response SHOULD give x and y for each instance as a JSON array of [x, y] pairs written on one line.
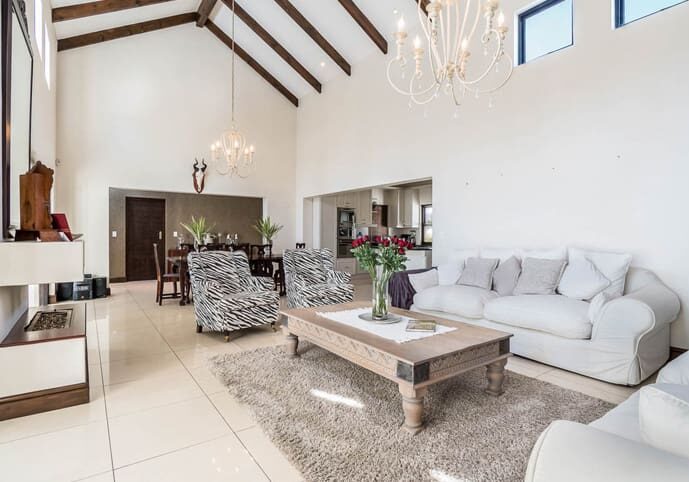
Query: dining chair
[[261, 262], [180, 268], [162, 278]]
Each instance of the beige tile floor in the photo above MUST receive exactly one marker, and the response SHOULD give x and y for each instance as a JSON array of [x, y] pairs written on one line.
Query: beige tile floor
[[157, 413]]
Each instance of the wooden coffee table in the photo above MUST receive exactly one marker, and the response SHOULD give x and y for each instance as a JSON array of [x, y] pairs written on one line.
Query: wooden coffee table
[[414, 365]]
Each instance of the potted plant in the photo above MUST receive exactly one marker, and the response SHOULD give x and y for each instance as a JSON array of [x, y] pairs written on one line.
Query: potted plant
[[198, 229], [381, 261], [267, 229]]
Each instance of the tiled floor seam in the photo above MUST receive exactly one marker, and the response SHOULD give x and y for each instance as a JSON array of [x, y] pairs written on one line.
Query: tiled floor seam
[[105, 400], [207, 395]]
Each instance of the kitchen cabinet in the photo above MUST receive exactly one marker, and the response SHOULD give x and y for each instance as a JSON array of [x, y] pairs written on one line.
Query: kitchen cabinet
[[403, 208], [364, 208], [425, 195], [347, 200], [410, 210], [377, 196], [348, 265]]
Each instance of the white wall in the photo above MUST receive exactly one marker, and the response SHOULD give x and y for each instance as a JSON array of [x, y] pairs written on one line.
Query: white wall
[[587, 146], [135, 112]]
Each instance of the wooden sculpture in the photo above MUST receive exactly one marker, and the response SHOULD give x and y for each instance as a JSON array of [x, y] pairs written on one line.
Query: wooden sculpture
[[34, 202]]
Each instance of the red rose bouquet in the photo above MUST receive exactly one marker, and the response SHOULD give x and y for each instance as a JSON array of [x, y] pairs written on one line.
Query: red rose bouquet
[[381, 259]]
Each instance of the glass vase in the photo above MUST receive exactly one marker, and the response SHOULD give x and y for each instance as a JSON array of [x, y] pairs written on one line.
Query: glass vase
[[381, 297]]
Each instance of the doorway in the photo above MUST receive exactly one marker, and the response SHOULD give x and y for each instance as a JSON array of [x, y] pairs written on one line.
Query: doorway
[[144, 225]]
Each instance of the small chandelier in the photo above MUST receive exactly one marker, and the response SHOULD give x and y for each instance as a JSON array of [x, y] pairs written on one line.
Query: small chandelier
[[231, 153], [449, 27]]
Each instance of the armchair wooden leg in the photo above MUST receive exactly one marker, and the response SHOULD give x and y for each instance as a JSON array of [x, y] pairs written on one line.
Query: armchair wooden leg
[[272, 325], [199, 328], [227, 335]]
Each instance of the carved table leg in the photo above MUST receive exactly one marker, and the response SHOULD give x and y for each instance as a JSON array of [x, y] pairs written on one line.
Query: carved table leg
[[496, 375], [412, 405], [292, 344]]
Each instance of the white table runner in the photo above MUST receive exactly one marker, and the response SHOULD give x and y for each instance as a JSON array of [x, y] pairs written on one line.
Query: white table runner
[[394, 331]]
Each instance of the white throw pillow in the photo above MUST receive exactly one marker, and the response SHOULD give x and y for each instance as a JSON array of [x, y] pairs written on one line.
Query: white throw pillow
[[423, 281], [582, 280], [554, 253], [503, 254], [614, 266], [664, 417], [597, 304], [450, 271]]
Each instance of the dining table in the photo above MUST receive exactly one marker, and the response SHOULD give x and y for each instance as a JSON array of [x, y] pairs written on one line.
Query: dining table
[[180, 264]]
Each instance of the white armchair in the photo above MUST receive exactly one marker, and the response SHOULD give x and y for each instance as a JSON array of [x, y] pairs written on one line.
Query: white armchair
[[611, 448], [572, 452]]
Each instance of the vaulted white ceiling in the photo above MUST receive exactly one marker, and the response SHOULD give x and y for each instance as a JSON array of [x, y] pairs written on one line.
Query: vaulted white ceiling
[[328, 16]]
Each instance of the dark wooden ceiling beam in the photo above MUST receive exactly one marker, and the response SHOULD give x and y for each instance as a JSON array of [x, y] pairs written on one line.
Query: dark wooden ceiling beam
[[312, 32], [204, 11], [99, 7], [274, 44], [365, 24], [124, 31], [227, 40]]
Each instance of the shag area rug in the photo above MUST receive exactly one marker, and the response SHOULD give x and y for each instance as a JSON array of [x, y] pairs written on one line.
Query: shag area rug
[[338, 422]]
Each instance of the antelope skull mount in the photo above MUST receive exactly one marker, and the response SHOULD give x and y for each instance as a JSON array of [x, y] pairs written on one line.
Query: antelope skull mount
[[199, 175]]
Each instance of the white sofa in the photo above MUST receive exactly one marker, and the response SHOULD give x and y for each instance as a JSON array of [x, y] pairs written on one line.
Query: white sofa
[[611, 448], [627, 340]]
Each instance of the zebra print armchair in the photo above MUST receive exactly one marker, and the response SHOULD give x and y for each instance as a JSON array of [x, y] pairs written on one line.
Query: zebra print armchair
[[312, 280], [226, 296]]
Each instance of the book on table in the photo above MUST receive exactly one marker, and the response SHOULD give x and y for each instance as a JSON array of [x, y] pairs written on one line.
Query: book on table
[[421, 325]]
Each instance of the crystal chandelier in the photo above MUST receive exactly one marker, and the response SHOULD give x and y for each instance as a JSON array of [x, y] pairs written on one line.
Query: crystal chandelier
[[449, 27], [231, 153]]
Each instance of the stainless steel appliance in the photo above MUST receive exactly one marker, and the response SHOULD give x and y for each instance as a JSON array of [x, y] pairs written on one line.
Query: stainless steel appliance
[[346, 225]]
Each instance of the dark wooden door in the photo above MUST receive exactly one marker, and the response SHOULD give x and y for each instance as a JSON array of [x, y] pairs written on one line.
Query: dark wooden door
[[145, 225]]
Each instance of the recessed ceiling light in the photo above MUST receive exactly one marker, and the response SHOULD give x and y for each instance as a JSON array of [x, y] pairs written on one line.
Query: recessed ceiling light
[[395, 12], [322, 64]]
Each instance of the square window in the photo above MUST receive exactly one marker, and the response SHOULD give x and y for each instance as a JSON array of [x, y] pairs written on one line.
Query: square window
[[545, 28], [627, 11]]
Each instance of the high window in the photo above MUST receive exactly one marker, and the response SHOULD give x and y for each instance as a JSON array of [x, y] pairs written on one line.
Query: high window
[[629, 10], [545, 28]]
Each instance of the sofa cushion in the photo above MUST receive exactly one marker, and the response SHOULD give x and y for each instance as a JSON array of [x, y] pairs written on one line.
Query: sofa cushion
[[664, 417], [582, 280], [465, 301], [677, 371], [424, 280], [555, 314], [614, 266], [450, 271], [506, 276], [539, 276], [478, 272]]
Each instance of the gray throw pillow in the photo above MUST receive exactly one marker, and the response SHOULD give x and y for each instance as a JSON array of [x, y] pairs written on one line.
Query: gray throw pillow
[[539, 276], [478, 272], [506, 276]]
